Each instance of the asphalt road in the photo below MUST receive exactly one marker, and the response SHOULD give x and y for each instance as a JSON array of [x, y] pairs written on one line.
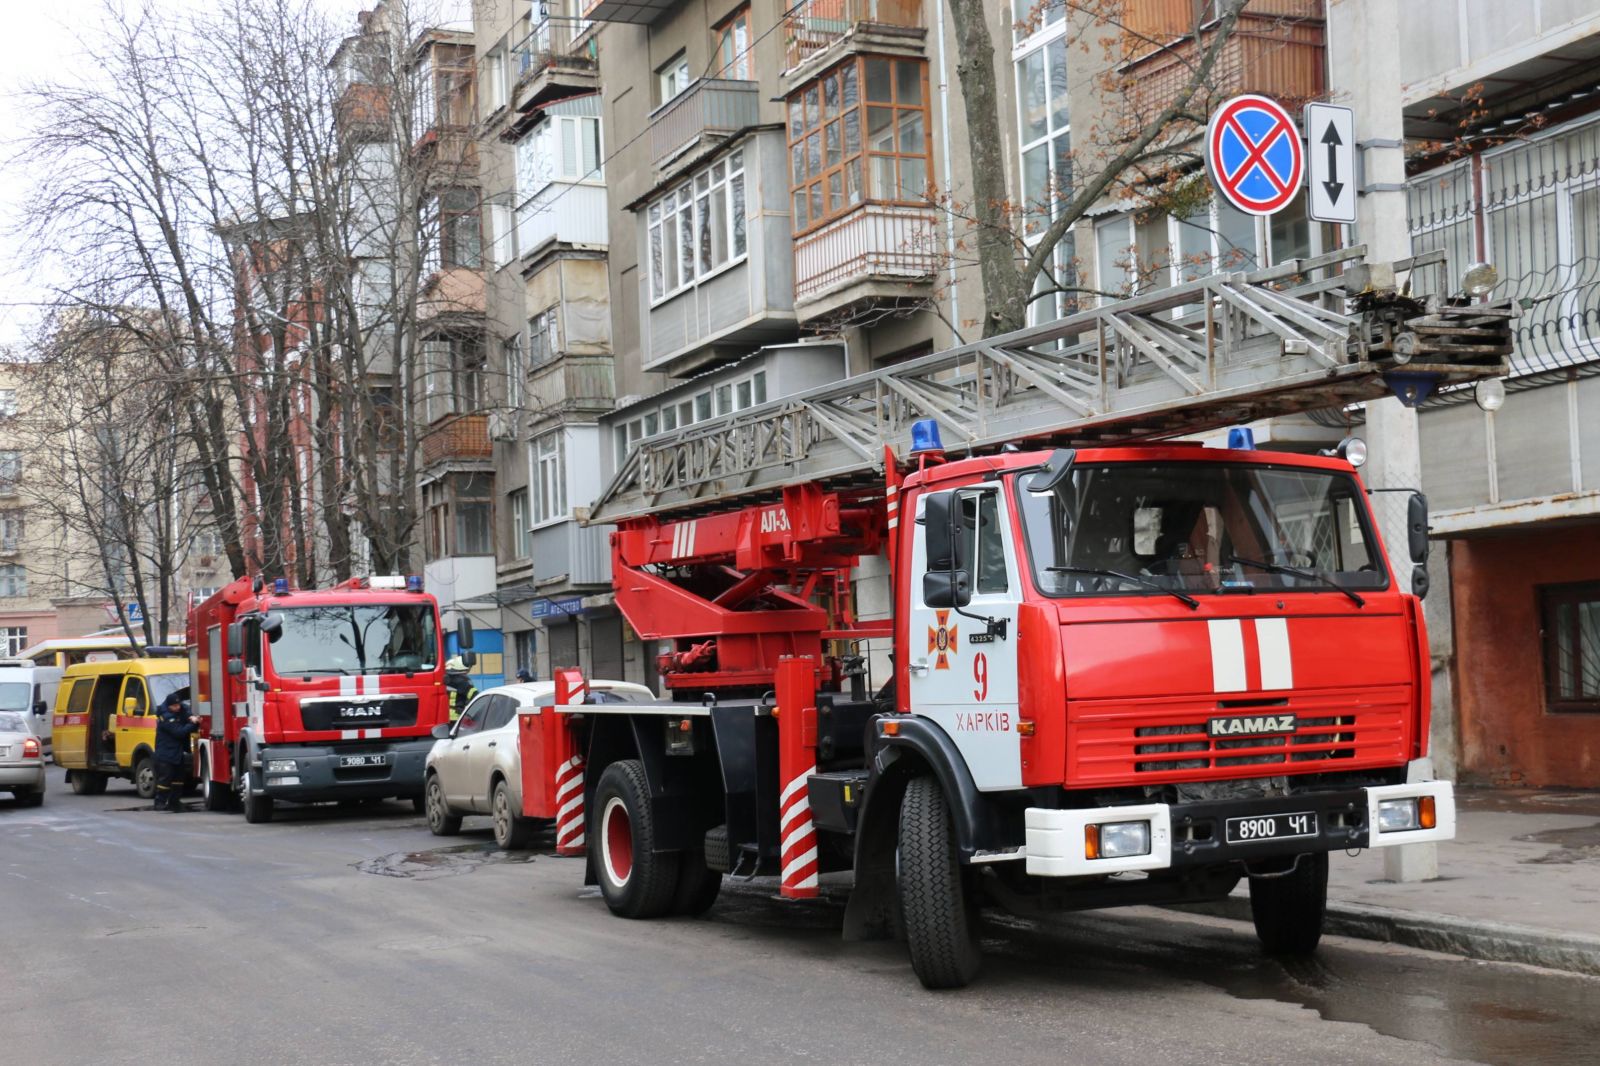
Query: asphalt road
[[352, 936]]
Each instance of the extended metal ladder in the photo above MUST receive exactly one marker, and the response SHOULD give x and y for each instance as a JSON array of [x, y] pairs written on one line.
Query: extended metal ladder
[[1218, 351]]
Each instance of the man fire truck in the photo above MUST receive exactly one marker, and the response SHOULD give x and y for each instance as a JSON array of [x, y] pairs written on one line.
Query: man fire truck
[[1125, 670], [316, 694]]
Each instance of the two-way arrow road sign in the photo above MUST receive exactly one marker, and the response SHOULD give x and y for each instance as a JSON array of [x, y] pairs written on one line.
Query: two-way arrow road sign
[[1331, 152]]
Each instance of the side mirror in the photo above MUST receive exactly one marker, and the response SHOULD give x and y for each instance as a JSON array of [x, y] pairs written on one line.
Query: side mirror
[[236, 639], [1056, 469], [235, 665], [130, 706], [272, 626], [41, 709], [441, 731], [1419, 581], [469, 659], [464, 635], [946, 588], [1417, 527]]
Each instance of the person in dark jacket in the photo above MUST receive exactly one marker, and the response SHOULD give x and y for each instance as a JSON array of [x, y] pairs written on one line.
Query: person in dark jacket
[[174, 727]]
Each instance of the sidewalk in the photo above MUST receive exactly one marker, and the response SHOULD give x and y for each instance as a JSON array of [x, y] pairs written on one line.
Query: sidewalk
[[1520, 883]]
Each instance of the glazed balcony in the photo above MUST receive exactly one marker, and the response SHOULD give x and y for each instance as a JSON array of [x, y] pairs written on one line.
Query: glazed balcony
[[569, 213], [708, 110], [1277, 49]]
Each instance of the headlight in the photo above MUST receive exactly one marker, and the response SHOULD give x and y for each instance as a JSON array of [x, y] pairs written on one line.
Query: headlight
[[1121, 839], [282, 766], [1397, 815], [1353, 450], [1479, 279]]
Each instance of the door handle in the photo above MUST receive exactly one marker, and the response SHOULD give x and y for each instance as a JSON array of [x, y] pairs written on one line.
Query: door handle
[[919, 667], [492, 743], [466, 747]]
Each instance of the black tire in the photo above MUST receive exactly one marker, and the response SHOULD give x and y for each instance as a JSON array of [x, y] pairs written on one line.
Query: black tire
[[511, 830], [698, 885], [636, 881], [257, 807], [144, 777], [941, 916], [419, 804], [88, 782], [215, 795], [441, 823], [1288, 910], [33, 799]]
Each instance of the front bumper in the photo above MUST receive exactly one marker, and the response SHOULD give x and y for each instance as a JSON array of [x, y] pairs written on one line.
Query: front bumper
[[318, 776], [26, 776], [1188, 835]]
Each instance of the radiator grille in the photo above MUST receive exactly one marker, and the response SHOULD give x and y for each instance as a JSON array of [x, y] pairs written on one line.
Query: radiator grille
[[1201, 752]]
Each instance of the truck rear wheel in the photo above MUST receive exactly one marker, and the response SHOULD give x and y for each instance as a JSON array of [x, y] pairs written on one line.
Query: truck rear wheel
[[510, 830], [939, 911], [698, 885], [1288, 908], [636, 881], [257, 807], [215, 795], [144, 777], [88, 782]]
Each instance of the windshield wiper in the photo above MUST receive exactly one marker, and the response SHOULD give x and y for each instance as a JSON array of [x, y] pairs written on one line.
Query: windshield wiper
[[1295, 571], [321, 670], [1133, 579]]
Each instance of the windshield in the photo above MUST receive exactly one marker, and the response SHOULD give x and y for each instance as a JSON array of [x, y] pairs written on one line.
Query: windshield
[[376, 639], [1198, 528], [12, 722], [16, 696], [164, 685]]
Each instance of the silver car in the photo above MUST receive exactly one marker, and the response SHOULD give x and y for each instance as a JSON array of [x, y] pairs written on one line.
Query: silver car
[[21, 759], [475, 766]]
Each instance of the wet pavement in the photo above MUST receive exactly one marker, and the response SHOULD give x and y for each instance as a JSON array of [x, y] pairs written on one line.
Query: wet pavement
[[354, 936]]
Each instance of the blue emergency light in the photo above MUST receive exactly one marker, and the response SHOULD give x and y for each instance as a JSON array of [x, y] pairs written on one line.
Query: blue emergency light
[[925, 436], [280, 586], [1242, 438], [414, 583]]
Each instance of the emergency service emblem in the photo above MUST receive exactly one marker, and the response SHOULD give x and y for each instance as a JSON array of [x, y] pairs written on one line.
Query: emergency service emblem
[[942, 639]]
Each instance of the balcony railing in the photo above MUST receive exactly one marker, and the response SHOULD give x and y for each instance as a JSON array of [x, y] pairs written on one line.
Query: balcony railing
[[712, 107], [547, 44], [457, 436], [878, 242], [816, 24], [1276, 49]]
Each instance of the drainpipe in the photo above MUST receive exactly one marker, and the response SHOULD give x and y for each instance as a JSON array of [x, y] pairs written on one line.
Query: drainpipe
[[944, 139]]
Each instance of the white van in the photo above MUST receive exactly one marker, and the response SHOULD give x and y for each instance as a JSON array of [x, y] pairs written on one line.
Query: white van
[[31, 690]]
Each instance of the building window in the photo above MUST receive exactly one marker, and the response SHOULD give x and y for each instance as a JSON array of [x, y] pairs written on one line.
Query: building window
[[673, 76], [500, 233], [13, 639], [492, 80], [8, 402], [544, 340], [10, 471], [1571, 647], [208, 547], [729, 397], [732, 37], [435, 525], [516, 371], [11, 528], [460, 237], [474, 513], [521, 538], [859, 132], [201, 593], [549, 479], [13, 580], [698, 229], [425, 106], [1045, 132]]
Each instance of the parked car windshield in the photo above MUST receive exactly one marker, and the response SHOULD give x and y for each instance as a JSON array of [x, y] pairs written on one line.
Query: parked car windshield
[[164, 685], [12, 722], [1199, 528], [16, 696], [375, 639]]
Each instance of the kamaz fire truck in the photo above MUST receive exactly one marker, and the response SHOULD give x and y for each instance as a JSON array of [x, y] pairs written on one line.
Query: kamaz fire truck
[[310, 695], [1125, 670]]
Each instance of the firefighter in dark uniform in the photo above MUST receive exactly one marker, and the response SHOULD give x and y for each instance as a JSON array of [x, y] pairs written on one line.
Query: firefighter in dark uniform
[[174, 727], [459, 682]]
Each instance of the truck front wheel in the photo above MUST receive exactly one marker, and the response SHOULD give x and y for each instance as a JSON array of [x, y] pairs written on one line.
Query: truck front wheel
[[257, 807], [144, 777], [215, 794], [636, 881], [940, 913], [1288, 907]]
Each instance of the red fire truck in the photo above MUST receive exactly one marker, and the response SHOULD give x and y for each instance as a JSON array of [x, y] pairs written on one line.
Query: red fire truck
[[309, 695], [1124, 670]]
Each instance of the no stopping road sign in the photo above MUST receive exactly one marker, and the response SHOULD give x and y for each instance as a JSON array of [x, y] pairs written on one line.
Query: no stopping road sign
[[1254, 154]]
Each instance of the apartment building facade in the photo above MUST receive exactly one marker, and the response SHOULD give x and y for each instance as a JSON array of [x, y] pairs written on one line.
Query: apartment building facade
[[1502, 103]]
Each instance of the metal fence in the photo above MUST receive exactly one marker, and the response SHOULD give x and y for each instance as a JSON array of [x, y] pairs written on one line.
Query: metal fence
[[1532, 208]]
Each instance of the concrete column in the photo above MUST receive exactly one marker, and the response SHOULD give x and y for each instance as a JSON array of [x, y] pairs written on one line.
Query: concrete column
[[1364, 73]]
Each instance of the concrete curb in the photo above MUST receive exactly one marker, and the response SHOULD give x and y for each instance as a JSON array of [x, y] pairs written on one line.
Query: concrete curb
[[1490, 941]]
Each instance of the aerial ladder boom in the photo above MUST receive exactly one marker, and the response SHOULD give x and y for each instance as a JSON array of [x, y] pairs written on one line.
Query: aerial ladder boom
[[1218, 351]]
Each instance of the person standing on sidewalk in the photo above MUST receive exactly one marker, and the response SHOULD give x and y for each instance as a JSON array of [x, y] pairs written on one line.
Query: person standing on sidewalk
[[174, 727]]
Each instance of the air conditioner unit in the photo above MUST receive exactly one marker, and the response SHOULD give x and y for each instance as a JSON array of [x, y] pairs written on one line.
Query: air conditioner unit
[[502, 425]]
